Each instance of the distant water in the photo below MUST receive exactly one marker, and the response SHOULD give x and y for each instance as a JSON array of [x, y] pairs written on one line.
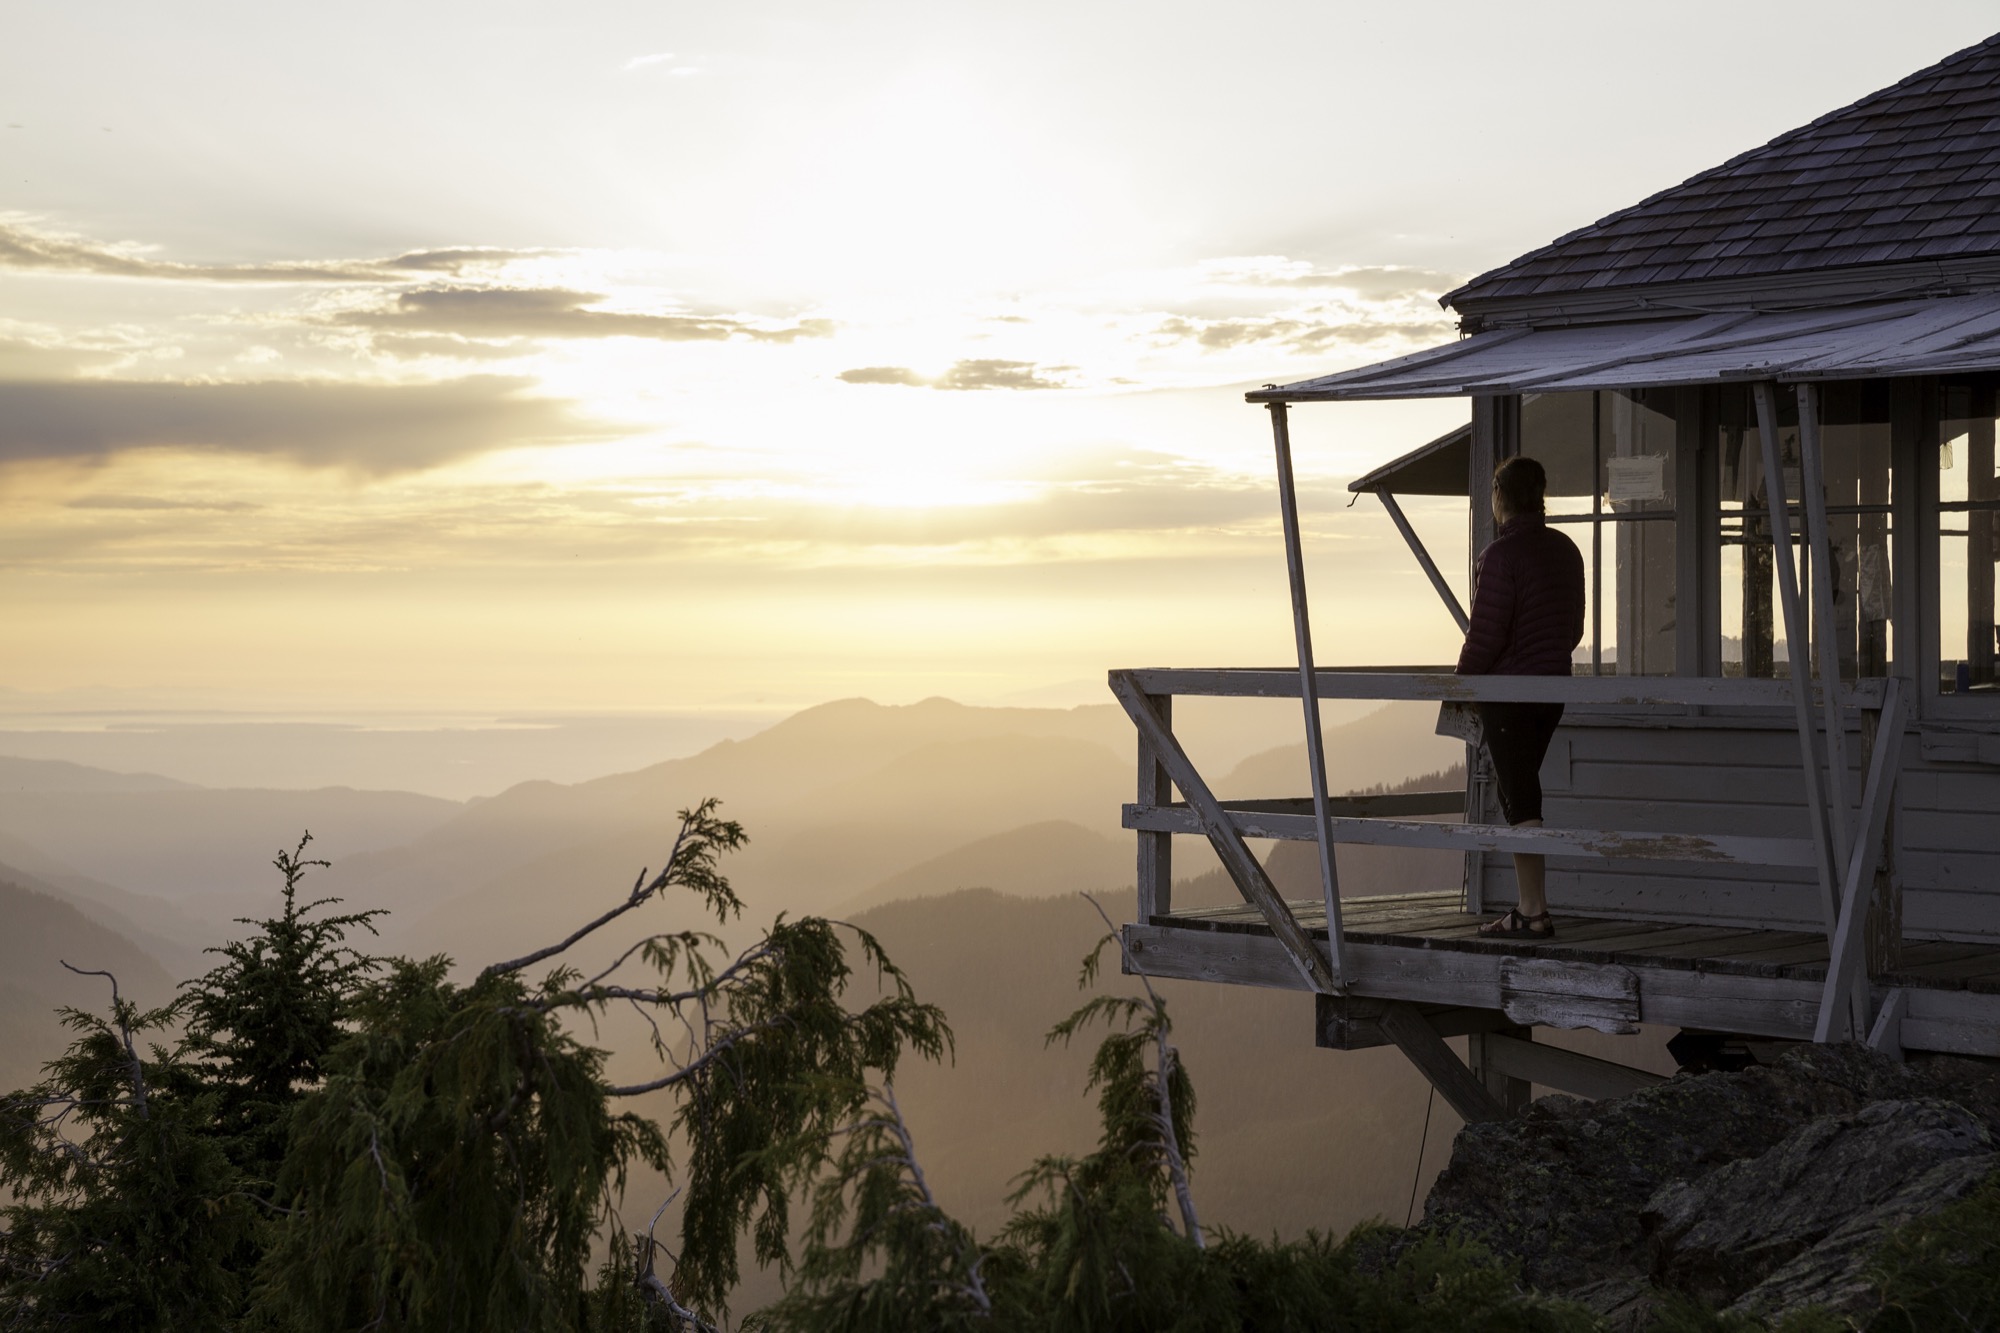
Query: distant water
[[457, 756]]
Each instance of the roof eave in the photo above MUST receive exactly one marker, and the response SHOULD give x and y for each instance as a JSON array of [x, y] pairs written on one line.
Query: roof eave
[[1858, 282]]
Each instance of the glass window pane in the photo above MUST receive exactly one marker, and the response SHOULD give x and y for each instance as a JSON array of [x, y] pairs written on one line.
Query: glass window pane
[[1557, 431], [1637, 453], [1966, 540], [1854, 437]]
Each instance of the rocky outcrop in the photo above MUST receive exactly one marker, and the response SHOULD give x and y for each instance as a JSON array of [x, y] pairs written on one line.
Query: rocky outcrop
[[1764, 1190]]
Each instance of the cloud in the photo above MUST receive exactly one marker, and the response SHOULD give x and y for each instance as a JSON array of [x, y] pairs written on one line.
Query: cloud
[[965, 375], [1371, 282], [553, 312], [22, 358], [372, 428], [457, 258], [25, 247], [1311, 332], [413, 345], [144, 502], [883, 375], [657, 58]]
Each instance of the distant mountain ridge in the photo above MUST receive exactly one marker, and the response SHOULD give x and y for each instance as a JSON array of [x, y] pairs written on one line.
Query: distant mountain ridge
[[59, 775]]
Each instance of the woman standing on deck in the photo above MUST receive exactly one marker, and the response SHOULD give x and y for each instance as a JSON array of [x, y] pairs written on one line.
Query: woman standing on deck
[[1527, 618]]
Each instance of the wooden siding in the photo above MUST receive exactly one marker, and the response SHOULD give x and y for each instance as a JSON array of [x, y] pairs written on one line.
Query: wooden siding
[[1740, 777]]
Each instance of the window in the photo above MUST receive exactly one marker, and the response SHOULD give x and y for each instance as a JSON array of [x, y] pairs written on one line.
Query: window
[[1968, 522], [1611, 459], [1855, 449]]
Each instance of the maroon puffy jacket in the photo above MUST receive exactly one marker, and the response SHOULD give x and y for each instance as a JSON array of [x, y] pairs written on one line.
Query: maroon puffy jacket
[[1527, 603]]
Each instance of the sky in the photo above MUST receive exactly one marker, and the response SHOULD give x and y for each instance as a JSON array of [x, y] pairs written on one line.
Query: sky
[[382, 360]]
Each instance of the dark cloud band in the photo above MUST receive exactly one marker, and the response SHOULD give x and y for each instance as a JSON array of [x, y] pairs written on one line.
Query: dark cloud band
[[27, 248], [376, 428], [553, 312]]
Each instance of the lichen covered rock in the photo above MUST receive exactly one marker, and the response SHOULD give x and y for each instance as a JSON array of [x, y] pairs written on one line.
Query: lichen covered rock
[[1769, 1187]]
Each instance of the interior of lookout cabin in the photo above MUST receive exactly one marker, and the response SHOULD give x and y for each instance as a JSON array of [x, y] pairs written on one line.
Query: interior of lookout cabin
[[1765, 401]]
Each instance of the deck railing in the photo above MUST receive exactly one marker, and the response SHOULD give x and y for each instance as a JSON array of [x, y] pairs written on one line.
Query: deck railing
[[1845, 866]]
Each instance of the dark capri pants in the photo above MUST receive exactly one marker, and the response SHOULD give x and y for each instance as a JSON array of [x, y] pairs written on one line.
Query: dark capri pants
[[1517, 740]]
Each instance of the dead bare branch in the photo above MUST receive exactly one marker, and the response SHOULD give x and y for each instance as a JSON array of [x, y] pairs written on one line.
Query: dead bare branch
[[124, 1033], [1166, 1059]]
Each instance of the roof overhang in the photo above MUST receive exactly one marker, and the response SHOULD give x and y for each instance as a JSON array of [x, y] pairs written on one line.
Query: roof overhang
[[1882, 339], [1437, 468]]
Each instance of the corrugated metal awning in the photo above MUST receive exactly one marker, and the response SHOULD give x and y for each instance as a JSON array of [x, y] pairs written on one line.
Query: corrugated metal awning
[[1917, 337]]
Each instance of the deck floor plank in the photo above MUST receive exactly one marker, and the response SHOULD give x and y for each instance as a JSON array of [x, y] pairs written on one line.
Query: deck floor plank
[[1436, 920]]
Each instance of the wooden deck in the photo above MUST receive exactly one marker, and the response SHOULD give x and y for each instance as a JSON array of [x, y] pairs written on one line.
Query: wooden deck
[[1422, 948]]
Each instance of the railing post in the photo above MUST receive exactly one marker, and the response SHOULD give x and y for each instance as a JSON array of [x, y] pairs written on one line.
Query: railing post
[[1295, 565], [1156, 850]]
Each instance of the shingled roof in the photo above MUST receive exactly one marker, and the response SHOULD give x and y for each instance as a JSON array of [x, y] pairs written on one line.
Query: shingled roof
[[1907, 174]]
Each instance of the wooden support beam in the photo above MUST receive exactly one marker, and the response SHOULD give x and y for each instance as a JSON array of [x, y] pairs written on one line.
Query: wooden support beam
[[1565, 1071], [1513, 1094], [1295, 568], [1156, 849], [1390, 805], [1838, 1020], [1243, 867], [1438, 683], [1416, 545], [1608, 844], [1798, 653], [1886, 1035], [1812, 481], [1426, 1050], [1354, 1023], [1782, 1007]]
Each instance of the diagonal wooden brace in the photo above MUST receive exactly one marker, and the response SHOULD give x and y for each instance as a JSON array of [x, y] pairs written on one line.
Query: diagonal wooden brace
[[1419, 1041], [1236, 856], [1831, 869], [1836, 1022]]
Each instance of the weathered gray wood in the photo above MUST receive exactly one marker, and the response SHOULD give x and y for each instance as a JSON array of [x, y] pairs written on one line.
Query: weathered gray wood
[[1798, 655], [1762, 1006], [1243, 867], [1570, 995], [1882, 950], [1416, 545], [1294, 816], [1513, 1094], [1295, 568], [1402, 804], [1427, 1051], [1352, 1023], [1812, 480], [1960, 747], [1156, 850], [1640, 944], [1837, 1019], [1566, 1071], [1439, 684], [1886, 1035], [1607, 843]]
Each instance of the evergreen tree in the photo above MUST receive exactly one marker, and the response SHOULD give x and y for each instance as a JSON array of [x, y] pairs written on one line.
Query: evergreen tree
[[126, 1211], [260, 1024], [463, 1154]]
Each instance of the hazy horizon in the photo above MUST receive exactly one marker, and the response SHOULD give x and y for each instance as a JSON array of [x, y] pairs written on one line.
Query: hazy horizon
[[626, 360]]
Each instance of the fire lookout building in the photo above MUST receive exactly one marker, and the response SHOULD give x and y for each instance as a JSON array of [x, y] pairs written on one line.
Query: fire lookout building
[[1766, 400]]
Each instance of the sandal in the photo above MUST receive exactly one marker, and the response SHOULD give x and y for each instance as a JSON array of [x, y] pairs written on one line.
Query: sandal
[[1516, 926]]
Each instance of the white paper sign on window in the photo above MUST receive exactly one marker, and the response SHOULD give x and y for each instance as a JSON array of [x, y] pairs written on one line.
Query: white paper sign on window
[[1632, 479]]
